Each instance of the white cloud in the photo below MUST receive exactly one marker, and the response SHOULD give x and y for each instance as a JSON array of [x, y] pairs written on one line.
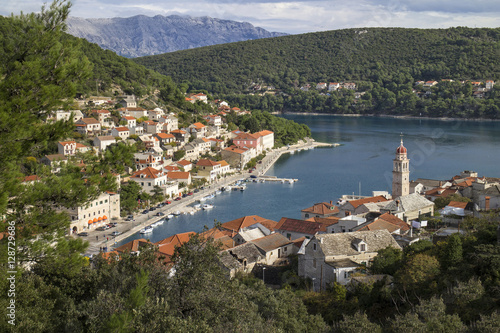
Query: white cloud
[[296, 16]]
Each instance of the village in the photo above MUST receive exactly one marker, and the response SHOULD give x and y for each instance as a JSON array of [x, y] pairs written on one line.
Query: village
[[333, 241]]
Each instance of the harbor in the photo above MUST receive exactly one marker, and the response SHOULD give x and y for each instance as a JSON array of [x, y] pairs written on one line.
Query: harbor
[[193, 205]]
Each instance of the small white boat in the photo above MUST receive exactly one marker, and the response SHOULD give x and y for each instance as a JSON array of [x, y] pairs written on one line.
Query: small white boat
[[169, 216], [146, 230], [207, 206], [227, 188], [160, 222], [202, 199], [218, 192], [177, 213], [197, 206], [154, 224], [191, 212], [242, 188]]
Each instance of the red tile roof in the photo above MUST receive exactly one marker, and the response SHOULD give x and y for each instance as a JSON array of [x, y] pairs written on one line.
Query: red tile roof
[[122, 129], [246, 221], [300, 226], [178, 175], [133, 246], [184, 162], [359, 202], [206, 162], [322, 208], [198, 125], [394, 220], [148, 172], [457, 204]]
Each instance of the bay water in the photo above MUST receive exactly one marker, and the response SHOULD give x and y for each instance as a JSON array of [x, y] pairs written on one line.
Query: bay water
[[438, 149]]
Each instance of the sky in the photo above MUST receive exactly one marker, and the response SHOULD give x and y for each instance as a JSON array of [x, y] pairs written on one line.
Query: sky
[[294, 17]]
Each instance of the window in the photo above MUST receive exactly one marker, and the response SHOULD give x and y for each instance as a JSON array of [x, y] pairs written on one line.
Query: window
[[100, 202], [284, 250], [308, 237], [106, 201], [306, 215], [362, 247], [314, 246]]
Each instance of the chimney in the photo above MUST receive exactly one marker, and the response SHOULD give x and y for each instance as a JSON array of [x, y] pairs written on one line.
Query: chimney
[[486, 203], [331, 202]]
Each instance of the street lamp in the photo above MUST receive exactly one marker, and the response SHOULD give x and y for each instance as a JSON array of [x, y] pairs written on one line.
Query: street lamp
[[263, 275]]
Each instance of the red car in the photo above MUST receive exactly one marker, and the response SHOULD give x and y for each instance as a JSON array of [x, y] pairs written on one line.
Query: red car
[[190, 193], [168, 202], [177, 199]]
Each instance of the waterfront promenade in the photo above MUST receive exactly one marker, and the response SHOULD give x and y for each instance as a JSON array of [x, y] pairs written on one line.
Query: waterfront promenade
[[101, 239]]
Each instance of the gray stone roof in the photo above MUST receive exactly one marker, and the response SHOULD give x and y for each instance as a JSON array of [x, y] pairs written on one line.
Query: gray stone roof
[[246, 251], [342, 263], [492, 191], [343, 243], [229, 261], [271, 242], [408, 203]]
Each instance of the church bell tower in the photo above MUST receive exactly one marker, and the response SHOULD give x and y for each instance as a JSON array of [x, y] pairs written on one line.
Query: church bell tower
[[401, 172]]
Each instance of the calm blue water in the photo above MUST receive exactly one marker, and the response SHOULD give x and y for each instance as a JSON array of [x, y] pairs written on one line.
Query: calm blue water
[[437, 150]]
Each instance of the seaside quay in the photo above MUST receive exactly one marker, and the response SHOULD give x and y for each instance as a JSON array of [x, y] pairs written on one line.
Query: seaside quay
[[99, 240]]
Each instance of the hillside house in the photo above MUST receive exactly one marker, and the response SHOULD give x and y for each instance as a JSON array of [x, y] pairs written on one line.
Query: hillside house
[[102, 142], [120, 132], [332, 258], [88, 126], [322, 209]]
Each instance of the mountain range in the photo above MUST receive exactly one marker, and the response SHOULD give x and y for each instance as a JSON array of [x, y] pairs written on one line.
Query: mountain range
[[143, 35]]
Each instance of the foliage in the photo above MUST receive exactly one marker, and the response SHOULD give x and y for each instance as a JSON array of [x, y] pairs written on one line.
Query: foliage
[[387, 261], [384, 62], [441, 202], [285, 131], [179, 155]]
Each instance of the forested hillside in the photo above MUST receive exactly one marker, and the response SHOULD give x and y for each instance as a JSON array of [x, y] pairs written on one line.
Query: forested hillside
[[385, 63]]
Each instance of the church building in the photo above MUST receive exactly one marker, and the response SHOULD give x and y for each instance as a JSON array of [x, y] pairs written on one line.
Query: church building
[[401, 173]]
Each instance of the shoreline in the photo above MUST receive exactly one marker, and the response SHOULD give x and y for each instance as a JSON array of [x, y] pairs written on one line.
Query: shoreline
[[128, 229], [384, 116]]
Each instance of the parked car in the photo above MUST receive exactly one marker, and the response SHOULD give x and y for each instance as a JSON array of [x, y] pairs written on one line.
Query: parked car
[[130, 218], [145, 211], [83, 234], [152, 208], [190, 193], [159, 214], [184, 195], [101, 229], [177, 199], [196, 190], [110, 225], [115, 233], [168, 202]]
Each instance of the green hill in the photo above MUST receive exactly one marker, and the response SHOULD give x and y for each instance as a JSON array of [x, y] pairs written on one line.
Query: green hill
[[388, 60]]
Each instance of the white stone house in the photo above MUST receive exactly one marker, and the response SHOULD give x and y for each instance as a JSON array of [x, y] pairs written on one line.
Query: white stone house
[[94, 214], [332, 258], [148, 178], [89, 126], [121, 132], [102, 142]]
